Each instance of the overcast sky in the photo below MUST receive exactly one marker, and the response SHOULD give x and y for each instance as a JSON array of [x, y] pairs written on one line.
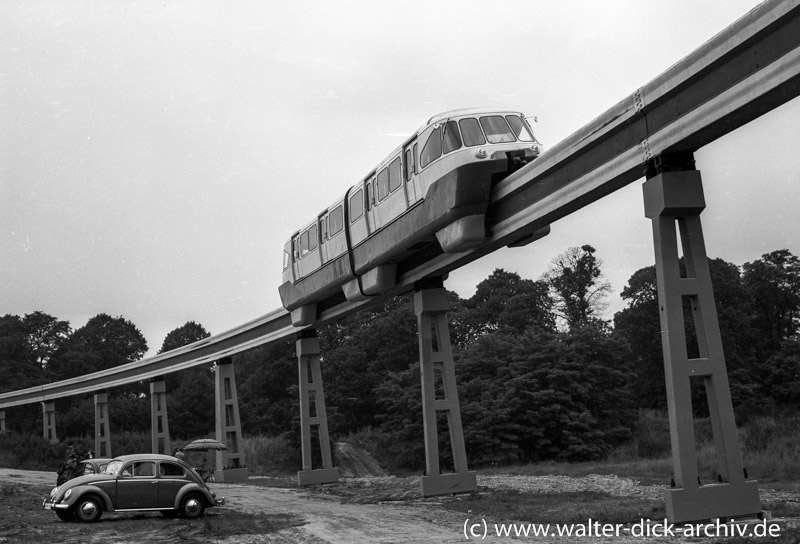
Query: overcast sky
[[154, 156]]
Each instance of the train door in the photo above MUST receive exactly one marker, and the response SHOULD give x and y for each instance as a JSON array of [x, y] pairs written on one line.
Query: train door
[[324, 247], [412, 189], [296, 256], [372, 202]]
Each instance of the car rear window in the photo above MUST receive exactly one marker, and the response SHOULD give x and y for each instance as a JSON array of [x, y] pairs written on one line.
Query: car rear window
[[171, 469]]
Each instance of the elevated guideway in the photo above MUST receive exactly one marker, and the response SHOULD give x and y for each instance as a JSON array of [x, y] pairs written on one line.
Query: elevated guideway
[[748, 69], [267, 329]]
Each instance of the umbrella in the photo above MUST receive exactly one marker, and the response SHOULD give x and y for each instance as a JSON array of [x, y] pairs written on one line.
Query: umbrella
[[204, 444]]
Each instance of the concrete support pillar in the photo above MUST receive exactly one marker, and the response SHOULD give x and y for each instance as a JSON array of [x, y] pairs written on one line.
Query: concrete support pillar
[[159, 424], [670, 198], [439, 393], [312, 412], [2, 421], [230, 465], [49, 421], [102, 431]]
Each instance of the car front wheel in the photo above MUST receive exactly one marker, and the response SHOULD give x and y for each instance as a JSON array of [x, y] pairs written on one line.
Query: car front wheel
[[88, 510], [192, 506], [65, 515]]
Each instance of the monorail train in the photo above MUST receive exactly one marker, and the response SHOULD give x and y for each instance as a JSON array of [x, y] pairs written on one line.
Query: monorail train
[[433, 187]]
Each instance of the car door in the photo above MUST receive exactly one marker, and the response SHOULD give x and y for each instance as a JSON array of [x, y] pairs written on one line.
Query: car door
[[172, 477], [137, 486]]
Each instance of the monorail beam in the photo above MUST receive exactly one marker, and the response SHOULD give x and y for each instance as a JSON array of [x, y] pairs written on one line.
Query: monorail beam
[[269, 328]]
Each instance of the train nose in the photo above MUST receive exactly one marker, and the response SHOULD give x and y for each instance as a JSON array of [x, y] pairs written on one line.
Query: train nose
[[516, 159]]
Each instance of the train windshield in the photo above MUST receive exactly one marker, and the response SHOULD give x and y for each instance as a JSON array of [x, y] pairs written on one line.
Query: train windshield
[[497, 130], [493, 129], [520, 128]]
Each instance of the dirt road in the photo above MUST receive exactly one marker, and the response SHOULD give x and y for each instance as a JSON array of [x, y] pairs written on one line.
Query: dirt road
[[273, 514], [358, 510]]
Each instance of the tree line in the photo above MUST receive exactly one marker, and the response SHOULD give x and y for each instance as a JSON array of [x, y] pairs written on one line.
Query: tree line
[[541, 375]]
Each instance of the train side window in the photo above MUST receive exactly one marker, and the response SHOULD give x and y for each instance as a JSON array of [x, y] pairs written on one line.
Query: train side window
[[471, 131], [451, 139], [286, 259], [497, 130], [432, 149], [383, 184], [356, 206], [395, 181], [336, 221], [520, 128]]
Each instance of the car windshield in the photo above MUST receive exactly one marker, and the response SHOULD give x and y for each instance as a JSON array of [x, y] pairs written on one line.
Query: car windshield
[[113, 468]]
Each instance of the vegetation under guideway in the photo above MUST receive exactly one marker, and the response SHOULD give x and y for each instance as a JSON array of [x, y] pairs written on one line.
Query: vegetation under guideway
[[746, 70]]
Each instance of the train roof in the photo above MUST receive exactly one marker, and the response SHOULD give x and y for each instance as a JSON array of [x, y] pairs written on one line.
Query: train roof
[[465, 111]]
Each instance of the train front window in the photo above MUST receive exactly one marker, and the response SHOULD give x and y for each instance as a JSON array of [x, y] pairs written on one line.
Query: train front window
[[520, 128], [471, 131], [497, 130], [451, 139], [432, 149]]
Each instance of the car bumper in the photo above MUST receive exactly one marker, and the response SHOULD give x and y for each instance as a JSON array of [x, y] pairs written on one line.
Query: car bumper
[[48, 505], [220, 501]]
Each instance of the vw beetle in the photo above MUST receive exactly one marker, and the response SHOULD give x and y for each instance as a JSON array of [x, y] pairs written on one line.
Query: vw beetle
[[134, 483]]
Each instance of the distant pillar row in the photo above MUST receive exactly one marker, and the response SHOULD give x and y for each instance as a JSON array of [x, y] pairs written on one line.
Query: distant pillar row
[[436, 368], [670, 198], [102, 433], [2, 421], [159, 423], [230, 463], [313, 416], [49, 421]]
